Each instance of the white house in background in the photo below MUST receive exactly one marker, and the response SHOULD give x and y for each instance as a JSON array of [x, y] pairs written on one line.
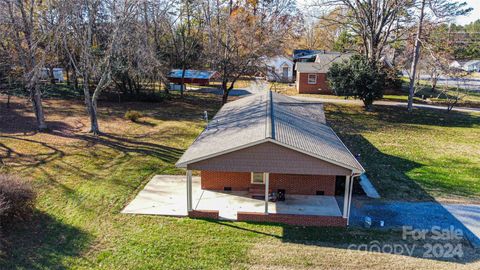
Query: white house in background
[[470, 66], [279, 69]]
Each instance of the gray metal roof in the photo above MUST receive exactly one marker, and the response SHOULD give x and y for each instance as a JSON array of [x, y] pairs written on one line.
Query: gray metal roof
[[322, 63], [191, 74], [271, 117]]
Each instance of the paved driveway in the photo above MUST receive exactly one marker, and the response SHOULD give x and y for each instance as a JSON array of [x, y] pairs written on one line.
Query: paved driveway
[[419, 215]]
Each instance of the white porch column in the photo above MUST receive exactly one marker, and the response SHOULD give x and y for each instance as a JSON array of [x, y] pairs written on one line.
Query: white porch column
[[346, 197], [267, 180], [189, 190]]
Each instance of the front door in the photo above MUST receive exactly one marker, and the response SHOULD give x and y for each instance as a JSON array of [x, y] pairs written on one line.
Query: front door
[[285, 73]]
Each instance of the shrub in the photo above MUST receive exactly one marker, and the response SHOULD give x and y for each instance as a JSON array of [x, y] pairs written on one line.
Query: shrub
[[133, 115], [358, 78], [17, 199]]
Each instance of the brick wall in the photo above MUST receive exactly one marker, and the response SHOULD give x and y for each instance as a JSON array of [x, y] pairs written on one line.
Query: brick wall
[[297, 220], [303, 184], [291, 183], [238, 181], [321, 87], [211, 214]]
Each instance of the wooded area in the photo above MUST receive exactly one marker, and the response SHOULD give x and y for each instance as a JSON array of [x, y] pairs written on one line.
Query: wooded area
[[132, 45], [127, 48]]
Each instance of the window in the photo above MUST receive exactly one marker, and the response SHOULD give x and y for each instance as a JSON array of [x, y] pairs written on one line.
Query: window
[[257, 178], [312, 78]]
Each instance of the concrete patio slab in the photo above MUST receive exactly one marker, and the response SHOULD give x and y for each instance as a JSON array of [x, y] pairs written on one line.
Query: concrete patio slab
[[166, 195]]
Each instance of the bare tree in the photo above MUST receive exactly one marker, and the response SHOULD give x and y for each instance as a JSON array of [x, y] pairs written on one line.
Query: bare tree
[[373, 22], [96, 30], [186, 37], [439, 11], [243, 33], [24, 22]]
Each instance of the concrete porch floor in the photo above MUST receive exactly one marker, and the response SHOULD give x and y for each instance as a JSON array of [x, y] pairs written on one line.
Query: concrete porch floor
[[166, 195]]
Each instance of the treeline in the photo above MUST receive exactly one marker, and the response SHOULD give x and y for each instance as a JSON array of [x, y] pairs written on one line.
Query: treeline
[[130, 46]]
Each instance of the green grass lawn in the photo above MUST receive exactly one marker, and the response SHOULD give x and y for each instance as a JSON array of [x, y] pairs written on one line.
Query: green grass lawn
[[428, 153], [83, 183]]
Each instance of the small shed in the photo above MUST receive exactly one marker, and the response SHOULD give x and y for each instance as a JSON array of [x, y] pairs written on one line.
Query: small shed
[[200, 77]]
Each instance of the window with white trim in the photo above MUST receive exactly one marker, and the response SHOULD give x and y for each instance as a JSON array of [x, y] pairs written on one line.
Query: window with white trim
[[258, 178], [312, 78]]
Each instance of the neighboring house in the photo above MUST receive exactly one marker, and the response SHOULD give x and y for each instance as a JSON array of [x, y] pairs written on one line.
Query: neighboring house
[[311, 78], [200, 77], [279, 69], [267, 143], [470, 66]]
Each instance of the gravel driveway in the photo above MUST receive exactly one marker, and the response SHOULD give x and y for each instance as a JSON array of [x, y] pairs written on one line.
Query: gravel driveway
[[419, 215]]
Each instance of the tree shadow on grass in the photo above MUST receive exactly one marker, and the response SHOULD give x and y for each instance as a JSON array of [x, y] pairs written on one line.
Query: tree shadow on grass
[[388, 173], [129, 146], [31, 160], [42, 243]]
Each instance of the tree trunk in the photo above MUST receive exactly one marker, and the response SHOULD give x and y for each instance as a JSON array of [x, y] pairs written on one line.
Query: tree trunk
[[91, 106], [36, 98], [225, 93], [224, 97], [182, 86], [51, 75], [75, 80], [416, 56], [67, 72], [434, 83], [93, 118]]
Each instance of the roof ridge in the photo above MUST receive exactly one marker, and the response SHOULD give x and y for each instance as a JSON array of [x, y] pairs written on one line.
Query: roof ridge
[[269, 133], [272, 117]]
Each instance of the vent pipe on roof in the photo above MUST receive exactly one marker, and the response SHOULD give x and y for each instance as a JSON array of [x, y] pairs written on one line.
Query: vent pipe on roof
[[205, 117]]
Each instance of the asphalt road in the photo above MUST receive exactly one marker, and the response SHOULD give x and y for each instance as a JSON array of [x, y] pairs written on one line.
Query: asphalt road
[[388, 103], [465, 83]]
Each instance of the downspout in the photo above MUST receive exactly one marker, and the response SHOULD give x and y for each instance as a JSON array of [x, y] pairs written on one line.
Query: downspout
[[352, 177]]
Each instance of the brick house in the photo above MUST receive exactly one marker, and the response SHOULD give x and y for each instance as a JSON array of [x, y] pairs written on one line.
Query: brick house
[[268, 143], [311, 78]]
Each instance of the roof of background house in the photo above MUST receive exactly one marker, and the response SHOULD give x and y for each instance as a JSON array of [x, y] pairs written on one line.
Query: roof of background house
[[322, 63], [275, 60], [271, 117], [192, 74], [301, 53]]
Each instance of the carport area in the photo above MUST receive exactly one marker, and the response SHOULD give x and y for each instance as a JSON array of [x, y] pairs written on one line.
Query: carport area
[[167, 195]]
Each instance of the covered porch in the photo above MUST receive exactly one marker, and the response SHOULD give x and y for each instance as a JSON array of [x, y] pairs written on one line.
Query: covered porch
[[167, 195]]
